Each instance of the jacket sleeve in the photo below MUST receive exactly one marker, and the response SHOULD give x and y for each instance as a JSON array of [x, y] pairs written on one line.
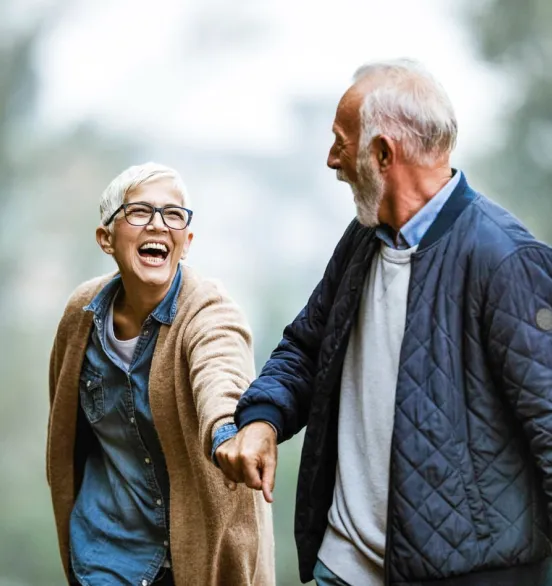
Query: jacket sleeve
[[282, 393], [518, 320], [219, 352]]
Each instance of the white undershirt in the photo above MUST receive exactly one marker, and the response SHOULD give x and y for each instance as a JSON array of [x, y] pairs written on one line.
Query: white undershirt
[[123, 349]]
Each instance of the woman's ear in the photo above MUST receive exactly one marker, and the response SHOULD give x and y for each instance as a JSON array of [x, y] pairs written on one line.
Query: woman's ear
[[186, 248], [104, 237]]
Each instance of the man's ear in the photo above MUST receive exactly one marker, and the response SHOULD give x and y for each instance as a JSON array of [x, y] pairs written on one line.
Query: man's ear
[[104, 238], [386, 152], [186, 248]]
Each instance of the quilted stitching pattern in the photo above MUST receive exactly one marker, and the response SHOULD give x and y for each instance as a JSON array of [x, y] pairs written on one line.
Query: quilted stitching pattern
[[466, 494], [473, 408]]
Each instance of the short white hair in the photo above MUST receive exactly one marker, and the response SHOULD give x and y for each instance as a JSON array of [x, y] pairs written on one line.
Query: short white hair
[[409, 105], [116, 192]]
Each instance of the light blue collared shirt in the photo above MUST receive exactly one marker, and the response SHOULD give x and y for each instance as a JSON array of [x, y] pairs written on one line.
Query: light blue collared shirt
[[414, 230]]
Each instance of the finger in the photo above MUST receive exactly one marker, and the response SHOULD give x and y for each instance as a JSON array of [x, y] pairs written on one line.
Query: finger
[[251, 473], [231, 473], [269, 476]]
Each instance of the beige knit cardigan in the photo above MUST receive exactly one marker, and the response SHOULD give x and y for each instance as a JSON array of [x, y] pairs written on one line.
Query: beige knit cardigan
[[201, 365]]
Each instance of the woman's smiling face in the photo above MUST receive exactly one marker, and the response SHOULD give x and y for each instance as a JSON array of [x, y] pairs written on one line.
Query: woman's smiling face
[[151, 253]]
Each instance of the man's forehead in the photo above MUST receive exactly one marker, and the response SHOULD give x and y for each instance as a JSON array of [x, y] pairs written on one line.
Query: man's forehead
[[347, 117]]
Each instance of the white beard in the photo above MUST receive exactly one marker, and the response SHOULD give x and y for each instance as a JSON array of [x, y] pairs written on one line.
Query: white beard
[[368, 192]]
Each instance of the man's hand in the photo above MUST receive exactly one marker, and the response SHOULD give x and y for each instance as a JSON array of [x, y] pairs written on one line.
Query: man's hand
[[250, 457]]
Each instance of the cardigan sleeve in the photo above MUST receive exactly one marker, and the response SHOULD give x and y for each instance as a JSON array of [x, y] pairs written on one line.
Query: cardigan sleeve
[[67, 324], [219, 352], [52, 374], [52, 389], [52, 384]]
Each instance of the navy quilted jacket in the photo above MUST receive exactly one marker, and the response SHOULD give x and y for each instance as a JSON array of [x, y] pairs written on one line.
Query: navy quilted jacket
[[470, 497]]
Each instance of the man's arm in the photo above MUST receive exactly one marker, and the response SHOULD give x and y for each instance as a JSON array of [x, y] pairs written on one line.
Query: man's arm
[[277, 405], [518, 323], [282, 394]]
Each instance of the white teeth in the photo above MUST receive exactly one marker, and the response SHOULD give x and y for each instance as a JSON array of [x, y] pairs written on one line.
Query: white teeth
[[154, 260], [156, 245]]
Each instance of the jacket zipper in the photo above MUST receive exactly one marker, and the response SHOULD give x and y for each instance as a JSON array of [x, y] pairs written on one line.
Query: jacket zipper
[[387, 556]]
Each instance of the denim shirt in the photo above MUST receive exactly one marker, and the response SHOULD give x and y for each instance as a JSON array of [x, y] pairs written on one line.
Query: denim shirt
[[119, 530], [410, 235]]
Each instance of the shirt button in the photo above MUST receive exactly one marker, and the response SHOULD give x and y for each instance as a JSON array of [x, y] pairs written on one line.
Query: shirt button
[[88, 383], [144, 583], [147, 460], [166, 543], [132, 420], [146, 332], [159, 502]]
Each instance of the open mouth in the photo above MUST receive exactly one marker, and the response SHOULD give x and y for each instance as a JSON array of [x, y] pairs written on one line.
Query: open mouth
[[153, 252]]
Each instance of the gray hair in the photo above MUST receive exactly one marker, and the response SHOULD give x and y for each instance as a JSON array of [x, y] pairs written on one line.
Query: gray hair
[[116, 192], [409, 105]]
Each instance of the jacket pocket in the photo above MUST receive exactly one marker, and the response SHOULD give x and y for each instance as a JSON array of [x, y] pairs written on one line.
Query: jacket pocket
[[92, 395], [473, 495]]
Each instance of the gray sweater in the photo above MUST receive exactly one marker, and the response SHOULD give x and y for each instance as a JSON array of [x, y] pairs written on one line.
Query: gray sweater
[[354, 543]]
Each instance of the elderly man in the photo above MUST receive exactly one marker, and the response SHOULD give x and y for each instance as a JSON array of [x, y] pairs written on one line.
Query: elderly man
[[147, 365], [421, 367]]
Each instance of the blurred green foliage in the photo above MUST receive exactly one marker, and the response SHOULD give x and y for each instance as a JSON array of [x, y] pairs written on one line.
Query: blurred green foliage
[[43, 181], [43, 176], [515, 37]]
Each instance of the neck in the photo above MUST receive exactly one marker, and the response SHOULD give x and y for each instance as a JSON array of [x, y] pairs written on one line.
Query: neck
[[136, 301], [410, 191]]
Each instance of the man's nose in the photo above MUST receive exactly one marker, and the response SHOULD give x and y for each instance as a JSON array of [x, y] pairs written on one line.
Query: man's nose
[[333, 159]]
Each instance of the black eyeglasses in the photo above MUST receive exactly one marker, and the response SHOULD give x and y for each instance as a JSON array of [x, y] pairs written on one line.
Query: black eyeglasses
[[141, 214]]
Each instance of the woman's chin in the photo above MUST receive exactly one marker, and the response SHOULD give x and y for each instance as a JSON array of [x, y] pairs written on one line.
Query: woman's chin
[[153, 276]]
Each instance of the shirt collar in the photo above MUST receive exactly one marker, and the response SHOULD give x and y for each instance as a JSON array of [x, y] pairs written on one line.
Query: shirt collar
[[413, 231], [164, 313]]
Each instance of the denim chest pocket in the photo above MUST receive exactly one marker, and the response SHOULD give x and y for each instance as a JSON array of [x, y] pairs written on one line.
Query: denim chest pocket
[[92, 395]]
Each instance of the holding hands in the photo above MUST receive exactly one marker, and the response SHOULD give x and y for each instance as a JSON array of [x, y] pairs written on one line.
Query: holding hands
[[250, 457]]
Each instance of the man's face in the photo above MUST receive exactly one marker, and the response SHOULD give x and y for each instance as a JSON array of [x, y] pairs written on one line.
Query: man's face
[[149, 254], [346, 128], [356, 166]]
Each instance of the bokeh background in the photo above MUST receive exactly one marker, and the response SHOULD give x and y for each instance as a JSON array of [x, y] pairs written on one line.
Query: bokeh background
[[240, 97]]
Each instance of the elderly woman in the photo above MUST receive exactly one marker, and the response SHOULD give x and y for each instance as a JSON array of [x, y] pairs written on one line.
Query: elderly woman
[[146, 369]]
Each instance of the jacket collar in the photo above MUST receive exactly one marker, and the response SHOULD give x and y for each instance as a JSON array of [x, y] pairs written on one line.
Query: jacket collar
[[459, 200]]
